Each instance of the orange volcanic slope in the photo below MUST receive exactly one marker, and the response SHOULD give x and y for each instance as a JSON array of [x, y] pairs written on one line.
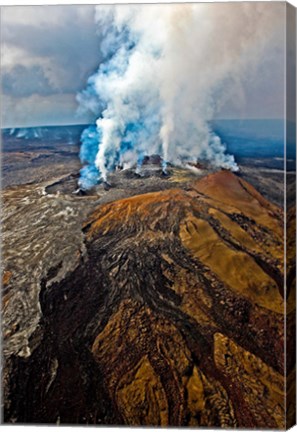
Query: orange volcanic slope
[[193, 331]]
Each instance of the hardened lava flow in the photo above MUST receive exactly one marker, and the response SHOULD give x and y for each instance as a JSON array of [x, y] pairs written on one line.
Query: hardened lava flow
[[161, 307]]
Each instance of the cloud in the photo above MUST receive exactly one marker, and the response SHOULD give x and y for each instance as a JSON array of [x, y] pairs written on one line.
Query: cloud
[[36, 110], [25, 81], [47, 50], [61, 40]]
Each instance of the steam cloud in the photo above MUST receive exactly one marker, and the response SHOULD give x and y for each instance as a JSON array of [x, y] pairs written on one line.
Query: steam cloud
[[167, 69]]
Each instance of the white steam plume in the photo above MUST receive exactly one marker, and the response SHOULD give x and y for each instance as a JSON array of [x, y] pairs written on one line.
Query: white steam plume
[[167, 69]]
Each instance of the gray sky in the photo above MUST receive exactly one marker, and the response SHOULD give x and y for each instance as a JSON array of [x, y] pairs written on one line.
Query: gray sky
[[48, 52]]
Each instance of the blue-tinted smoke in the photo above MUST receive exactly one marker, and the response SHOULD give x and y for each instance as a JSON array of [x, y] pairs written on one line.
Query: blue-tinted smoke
[[127, 123], [89, 175]]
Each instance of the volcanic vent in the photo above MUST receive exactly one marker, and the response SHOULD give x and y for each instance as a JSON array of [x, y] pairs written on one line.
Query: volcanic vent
[[123, 181]]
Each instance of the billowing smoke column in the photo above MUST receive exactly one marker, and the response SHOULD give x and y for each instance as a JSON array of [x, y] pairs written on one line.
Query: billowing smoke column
[[166, 70]]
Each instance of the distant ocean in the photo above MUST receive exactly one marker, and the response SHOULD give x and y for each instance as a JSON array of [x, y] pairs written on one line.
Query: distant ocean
[[243, 138], [256, 138]]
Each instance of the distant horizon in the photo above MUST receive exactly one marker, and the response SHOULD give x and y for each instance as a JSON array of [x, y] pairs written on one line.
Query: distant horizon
[[92, 123]]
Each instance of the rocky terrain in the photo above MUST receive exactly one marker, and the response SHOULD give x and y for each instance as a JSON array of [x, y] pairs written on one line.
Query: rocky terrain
[[37, 160], [158, 301]]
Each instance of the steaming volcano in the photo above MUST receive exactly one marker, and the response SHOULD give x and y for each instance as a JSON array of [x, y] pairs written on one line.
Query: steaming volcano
[[149, 251], [154, 92], [158, 308]]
